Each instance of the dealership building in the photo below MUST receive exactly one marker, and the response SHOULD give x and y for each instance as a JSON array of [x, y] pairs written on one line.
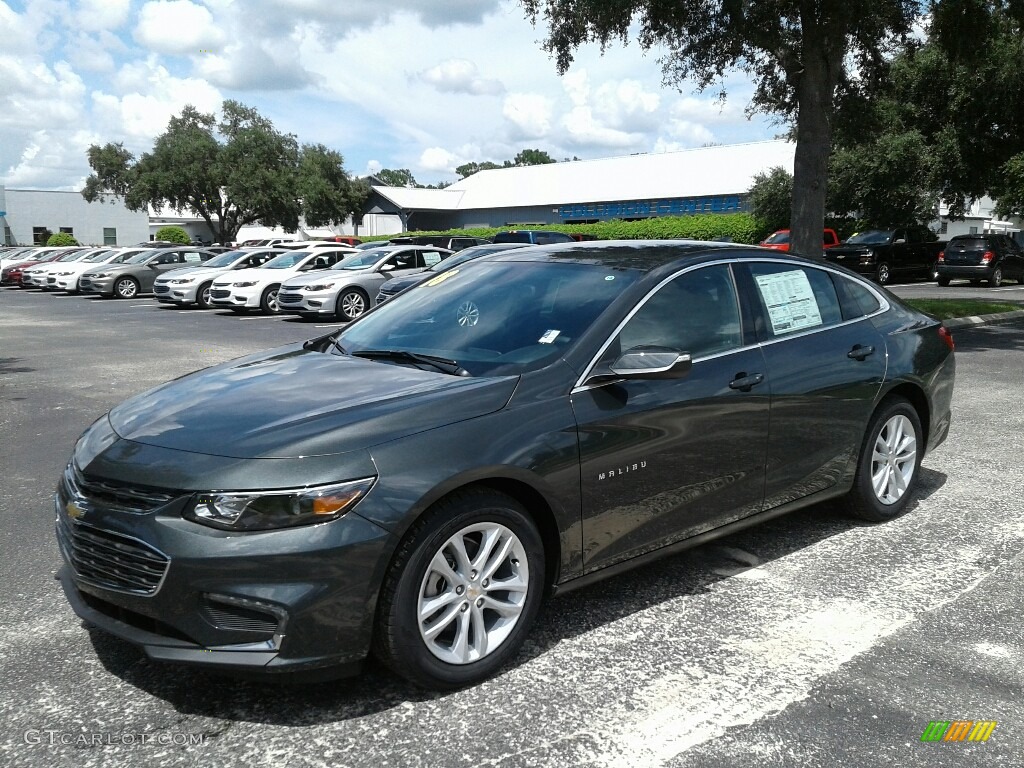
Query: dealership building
[[28, 214]]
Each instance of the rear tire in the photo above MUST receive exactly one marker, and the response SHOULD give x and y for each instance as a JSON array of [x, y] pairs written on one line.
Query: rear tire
[[943, 281], [444, 620], [997, 278], [888, 464]]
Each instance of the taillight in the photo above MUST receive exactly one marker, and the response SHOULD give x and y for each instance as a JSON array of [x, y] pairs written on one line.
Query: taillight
[[942, 257], [946, 336], [987, 256]]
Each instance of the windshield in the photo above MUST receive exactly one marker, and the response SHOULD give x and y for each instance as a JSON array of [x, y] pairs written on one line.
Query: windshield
[[463, 256], [226, 259], [777, 239], [871, 237], [73, 256], [92, 258], [359, 260], [141, 256], [286, 260], [497, 319]]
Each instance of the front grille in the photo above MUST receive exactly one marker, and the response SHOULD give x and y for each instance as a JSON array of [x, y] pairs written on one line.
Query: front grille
[[161, 289], [289, 298], [220, 293], [51, 280], [110, 560], [118, 497]]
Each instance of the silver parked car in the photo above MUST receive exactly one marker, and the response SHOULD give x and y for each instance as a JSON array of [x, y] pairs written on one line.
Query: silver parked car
[[192, 284], [350, 287], [137, 275]]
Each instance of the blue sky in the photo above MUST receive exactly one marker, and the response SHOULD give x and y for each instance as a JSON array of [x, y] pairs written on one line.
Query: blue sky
[[419, 84]]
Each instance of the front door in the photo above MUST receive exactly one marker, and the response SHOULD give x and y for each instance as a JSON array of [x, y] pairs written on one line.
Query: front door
[[663, 460]]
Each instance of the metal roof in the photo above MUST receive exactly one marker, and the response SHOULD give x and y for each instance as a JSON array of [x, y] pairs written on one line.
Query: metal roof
[[718, 170]]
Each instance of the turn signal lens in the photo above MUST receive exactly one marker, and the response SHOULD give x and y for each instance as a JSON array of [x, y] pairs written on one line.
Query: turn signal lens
[[987, 256], [946, 336], [942, 256]]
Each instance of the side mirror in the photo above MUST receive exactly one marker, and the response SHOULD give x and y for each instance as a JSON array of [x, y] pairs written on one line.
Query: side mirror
[[387, 267], [899, 240], [154, 265], [648, 362]]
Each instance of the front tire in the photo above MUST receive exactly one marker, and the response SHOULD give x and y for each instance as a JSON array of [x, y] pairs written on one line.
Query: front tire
[[126, 288], [887, 467], [882, 274], [462, 591], [351, 304], [997, 278], [203, 295], [943, 281], [268, 301]]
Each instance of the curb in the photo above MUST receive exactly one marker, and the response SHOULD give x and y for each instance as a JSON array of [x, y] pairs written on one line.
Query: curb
[[999, 317]]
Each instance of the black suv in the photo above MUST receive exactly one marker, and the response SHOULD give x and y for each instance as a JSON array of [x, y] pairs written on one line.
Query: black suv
[[981, 257]]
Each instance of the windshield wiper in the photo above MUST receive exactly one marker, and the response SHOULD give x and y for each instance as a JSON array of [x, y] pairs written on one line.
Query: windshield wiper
[[440, 363]]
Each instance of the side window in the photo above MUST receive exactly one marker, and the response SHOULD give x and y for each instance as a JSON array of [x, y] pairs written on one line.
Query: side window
[[795, 298], [430, 258], [169, 258], [900, 234], [193, 257], [697, 313], [856, 299]]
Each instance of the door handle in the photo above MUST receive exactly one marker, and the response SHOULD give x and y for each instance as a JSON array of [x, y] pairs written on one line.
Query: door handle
[[745, 382], [860, 352]]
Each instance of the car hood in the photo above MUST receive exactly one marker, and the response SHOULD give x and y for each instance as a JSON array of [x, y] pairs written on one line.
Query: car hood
[[293, 402], [259, 274], [174, 274], [847, 250], [322, 275], [116, 268]]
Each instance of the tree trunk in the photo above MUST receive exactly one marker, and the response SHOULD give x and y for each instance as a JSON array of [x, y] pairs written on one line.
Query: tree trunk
[[815, 88]]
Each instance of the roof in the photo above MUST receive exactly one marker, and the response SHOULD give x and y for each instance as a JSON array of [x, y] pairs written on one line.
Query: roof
[[701, 172], [641, 255]]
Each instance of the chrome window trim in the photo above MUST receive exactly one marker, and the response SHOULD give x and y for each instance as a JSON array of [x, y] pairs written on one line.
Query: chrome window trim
[[884, 306]]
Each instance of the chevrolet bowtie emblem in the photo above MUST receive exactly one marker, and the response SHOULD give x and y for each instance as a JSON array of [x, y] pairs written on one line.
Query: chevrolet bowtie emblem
[[74, 510]]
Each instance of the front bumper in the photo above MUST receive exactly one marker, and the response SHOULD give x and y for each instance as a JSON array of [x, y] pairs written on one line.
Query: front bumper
[[272, 601], [103, 285], [235, 297], [168, 293], [303, 303]]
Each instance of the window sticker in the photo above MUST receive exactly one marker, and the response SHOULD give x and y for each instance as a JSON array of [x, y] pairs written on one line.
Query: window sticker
[[442, 277], [548, 337], [790, 301]]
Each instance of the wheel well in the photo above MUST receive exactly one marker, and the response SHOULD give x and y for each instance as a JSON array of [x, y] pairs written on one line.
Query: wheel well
[[539, 511], [917, 398]]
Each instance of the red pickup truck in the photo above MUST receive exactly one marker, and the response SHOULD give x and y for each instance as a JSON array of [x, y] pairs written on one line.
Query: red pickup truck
[[779, 241]]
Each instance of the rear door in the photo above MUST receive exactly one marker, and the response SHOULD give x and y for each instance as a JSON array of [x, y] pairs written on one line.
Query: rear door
[[826, 365]]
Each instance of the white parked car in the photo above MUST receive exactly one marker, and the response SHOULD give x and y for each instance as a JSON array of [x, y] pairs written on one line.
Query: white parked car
[[350, 287], [44, 272], [257, 288], [192, 284], [35, 277]]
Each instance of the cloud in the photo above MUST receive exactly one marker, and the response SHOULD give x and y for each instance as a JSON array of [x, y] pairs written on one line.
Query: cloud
[[583, 130], [438, 159], [460, 76], [50, 155], [95, 15], [177, 27], [529, 114], [254, 66]]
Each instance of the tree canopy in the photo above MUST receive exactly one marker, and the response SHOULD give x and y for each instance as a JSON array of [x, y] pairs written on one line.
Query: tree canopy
[[771, 198], [796, 51], [238, 171]]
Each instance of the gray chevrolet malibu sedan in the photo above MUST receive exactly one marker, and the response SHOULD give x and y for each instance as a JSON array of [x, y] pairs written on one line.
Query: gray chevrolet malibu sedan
[[137, 275], [417, 483]]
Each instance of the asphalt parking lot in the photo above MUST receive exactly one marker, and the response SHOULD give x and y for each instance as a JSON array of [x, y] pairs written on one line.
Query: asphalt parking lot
[[810, 641]]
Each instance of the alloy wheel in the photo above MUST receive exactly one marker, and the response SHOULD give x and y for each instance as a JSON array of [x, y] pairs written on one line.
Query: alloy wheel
[[126, 288], [894, 459], [473, 593], [352, 305]]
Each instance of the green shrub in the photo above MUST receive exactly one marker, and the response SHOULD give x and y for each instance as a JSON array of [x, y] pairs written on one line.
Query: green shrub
[[735, 227], [61, 239], [173, 235]]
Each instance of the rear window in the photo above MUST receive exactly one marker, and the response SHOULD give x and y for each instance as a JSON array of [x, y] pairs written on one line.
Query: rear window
[[969, 244], [512, 237]]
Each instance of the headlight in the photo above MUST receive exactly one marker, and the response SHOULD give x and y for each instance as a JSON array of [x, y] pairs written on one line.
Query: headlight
[[261, 511], [98, 274], [248, 284], [319, 287], [182, 280], [867, 257], [64, 274]]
